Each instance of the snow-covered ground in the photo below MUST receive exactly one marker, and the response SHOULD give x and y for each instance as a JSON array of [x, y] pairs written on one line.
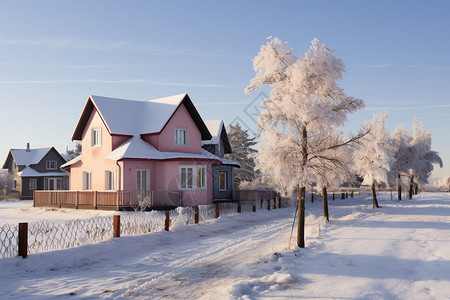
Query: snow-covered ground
[[400, 251]]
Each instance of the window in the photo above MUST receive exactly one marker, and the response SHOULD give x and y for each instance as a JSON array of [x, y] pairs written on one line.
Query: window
[[14, 184], [14, 165], [86, 180], [143, 180], [51, 165], [110, 180], [96, 136], [181, 137], [32, 184], [193, 177], [223, 181]]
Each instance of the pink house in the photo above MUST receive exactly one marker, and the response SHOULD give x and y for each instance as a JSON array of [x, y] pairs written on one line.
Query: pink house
[[144, 146]]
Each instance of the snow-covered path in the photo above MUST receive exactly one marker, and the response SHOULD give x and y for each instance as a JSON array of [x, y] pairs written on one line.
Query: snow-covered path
[[401, 251]]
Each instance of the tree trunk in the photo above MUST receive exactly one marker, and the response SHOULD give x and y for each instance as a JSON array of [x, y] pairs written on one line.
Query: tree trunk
[[411, 187], [312, 197], [325, 203], [302, 192], [416, 189], [301, 217], [374, 195], [399, 187]]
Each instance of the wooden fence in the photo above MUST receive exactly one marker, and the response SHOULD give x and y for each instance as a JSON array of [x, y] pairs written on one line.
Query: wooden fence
[[113, 200], [252, 195]]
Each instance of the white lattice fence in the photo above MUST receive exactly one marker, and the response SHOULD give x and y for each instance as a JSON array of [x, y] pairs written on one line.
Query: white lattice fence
[[141, 223], [47, 235], [8, 241]]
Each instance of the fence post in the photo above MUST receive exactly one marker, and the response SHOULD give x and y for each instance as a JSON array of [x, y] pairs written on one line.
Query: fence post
[[197, 215], [118, 200], [268, 204], [239, 208], [254, 206], [95, 199], [279, 200], [23, 239], [57, 198], [262, 201], [116, 226], [167, 222], [351, 194], [217, 211], [342, 195], [332, 197]]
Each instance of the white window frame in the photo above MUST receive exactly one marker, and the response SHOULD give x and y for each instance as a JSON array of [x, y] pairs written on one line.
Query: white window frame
[[51, 164], [32, 184], [179, 138], [87, 181], [110, 180], [224, 173], [96, 137], [139, 180], [197, 176]]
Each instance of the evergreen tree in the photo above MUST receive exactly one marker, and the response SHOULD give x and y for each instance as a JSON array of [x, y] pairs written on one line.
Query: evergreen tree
[[241, 145]]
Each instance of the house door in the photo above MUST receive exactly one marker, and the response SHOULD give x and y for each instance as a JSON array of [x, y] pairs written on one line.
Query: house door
[[54, 184]]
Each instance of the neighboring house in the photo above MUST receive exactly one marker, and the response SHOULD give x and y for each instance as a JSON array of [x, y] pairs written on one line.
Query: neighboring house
[[36, 169], [144, 145], [223, 174]]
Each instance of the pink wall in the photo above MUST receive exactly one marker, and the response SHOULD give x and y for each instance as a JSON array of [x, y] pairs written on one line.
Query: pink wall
[[164, 175], [93, 157], [181, 119]]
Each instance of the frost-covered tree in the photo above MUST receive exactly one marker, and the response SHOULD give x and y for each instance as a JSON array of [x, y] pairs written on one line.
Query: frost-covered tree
[[413, 157], [241, 144], [299, 141], [6, 182], [71, 154], [373, 155]]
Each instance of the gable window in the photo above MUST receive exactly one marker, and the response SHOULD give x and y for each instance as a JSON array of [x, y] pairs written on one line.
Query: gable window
[[110, 180], [181, 138], [96, 136], [222, 181], [14, 165], [51, 164], [32, 184], [143, 180], [86, 181], [193, 177]]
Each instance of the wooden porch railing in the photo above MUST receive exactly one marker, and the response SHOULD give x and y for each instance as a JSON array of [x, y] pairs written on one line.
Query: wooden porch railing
[[107, 199]]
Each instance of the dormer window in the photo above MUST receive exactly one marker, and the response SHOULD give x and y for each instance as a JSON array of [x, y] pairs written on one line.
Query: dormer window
[[96, 136], [51, 165], [181, 137]]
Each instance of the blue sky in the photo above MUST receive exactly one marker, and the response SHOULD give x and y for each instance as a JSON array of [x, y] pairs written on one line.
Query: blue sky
[[54, 54]]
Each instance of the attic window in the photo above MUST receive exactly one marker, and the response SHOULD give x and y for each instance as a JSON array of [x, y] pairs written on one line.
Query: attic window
[[51, 165], [181, 138], [96, 136]]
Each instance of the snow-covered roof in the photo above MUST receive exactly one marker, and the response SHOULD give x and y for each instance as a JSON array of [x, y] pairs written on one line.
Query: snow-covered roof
[[215, 128], [31, 157], [30, 172], [130, 117], [71, 162], [138, 149]]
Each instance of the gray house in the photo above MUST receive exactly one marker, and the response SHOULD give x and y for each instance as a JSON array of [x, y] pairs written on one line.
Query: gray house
[[223, 175], [36, 169]]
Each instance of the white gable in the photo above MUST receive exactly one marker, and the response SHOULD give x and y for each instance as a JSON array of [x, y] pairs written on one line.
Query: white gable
[[215, 128], [131, 117]]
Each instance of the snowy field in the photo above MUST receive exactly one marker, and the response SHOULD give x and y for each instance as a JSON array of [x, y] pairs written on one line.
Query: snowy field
[[400, 251]]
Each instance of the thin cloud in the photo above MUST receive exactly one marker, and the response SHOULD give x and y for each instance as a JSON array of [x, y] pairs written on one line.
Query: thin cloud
[[407, 107], [72, 43], [118, 81]]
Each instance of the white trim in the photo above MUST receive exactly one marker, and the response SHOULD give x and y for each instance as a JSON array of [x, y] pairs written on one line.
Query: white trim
[[33, 186], [48, 165], [176, 135], [147, 176], [195, 169], [96, 137], [86, 181]]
